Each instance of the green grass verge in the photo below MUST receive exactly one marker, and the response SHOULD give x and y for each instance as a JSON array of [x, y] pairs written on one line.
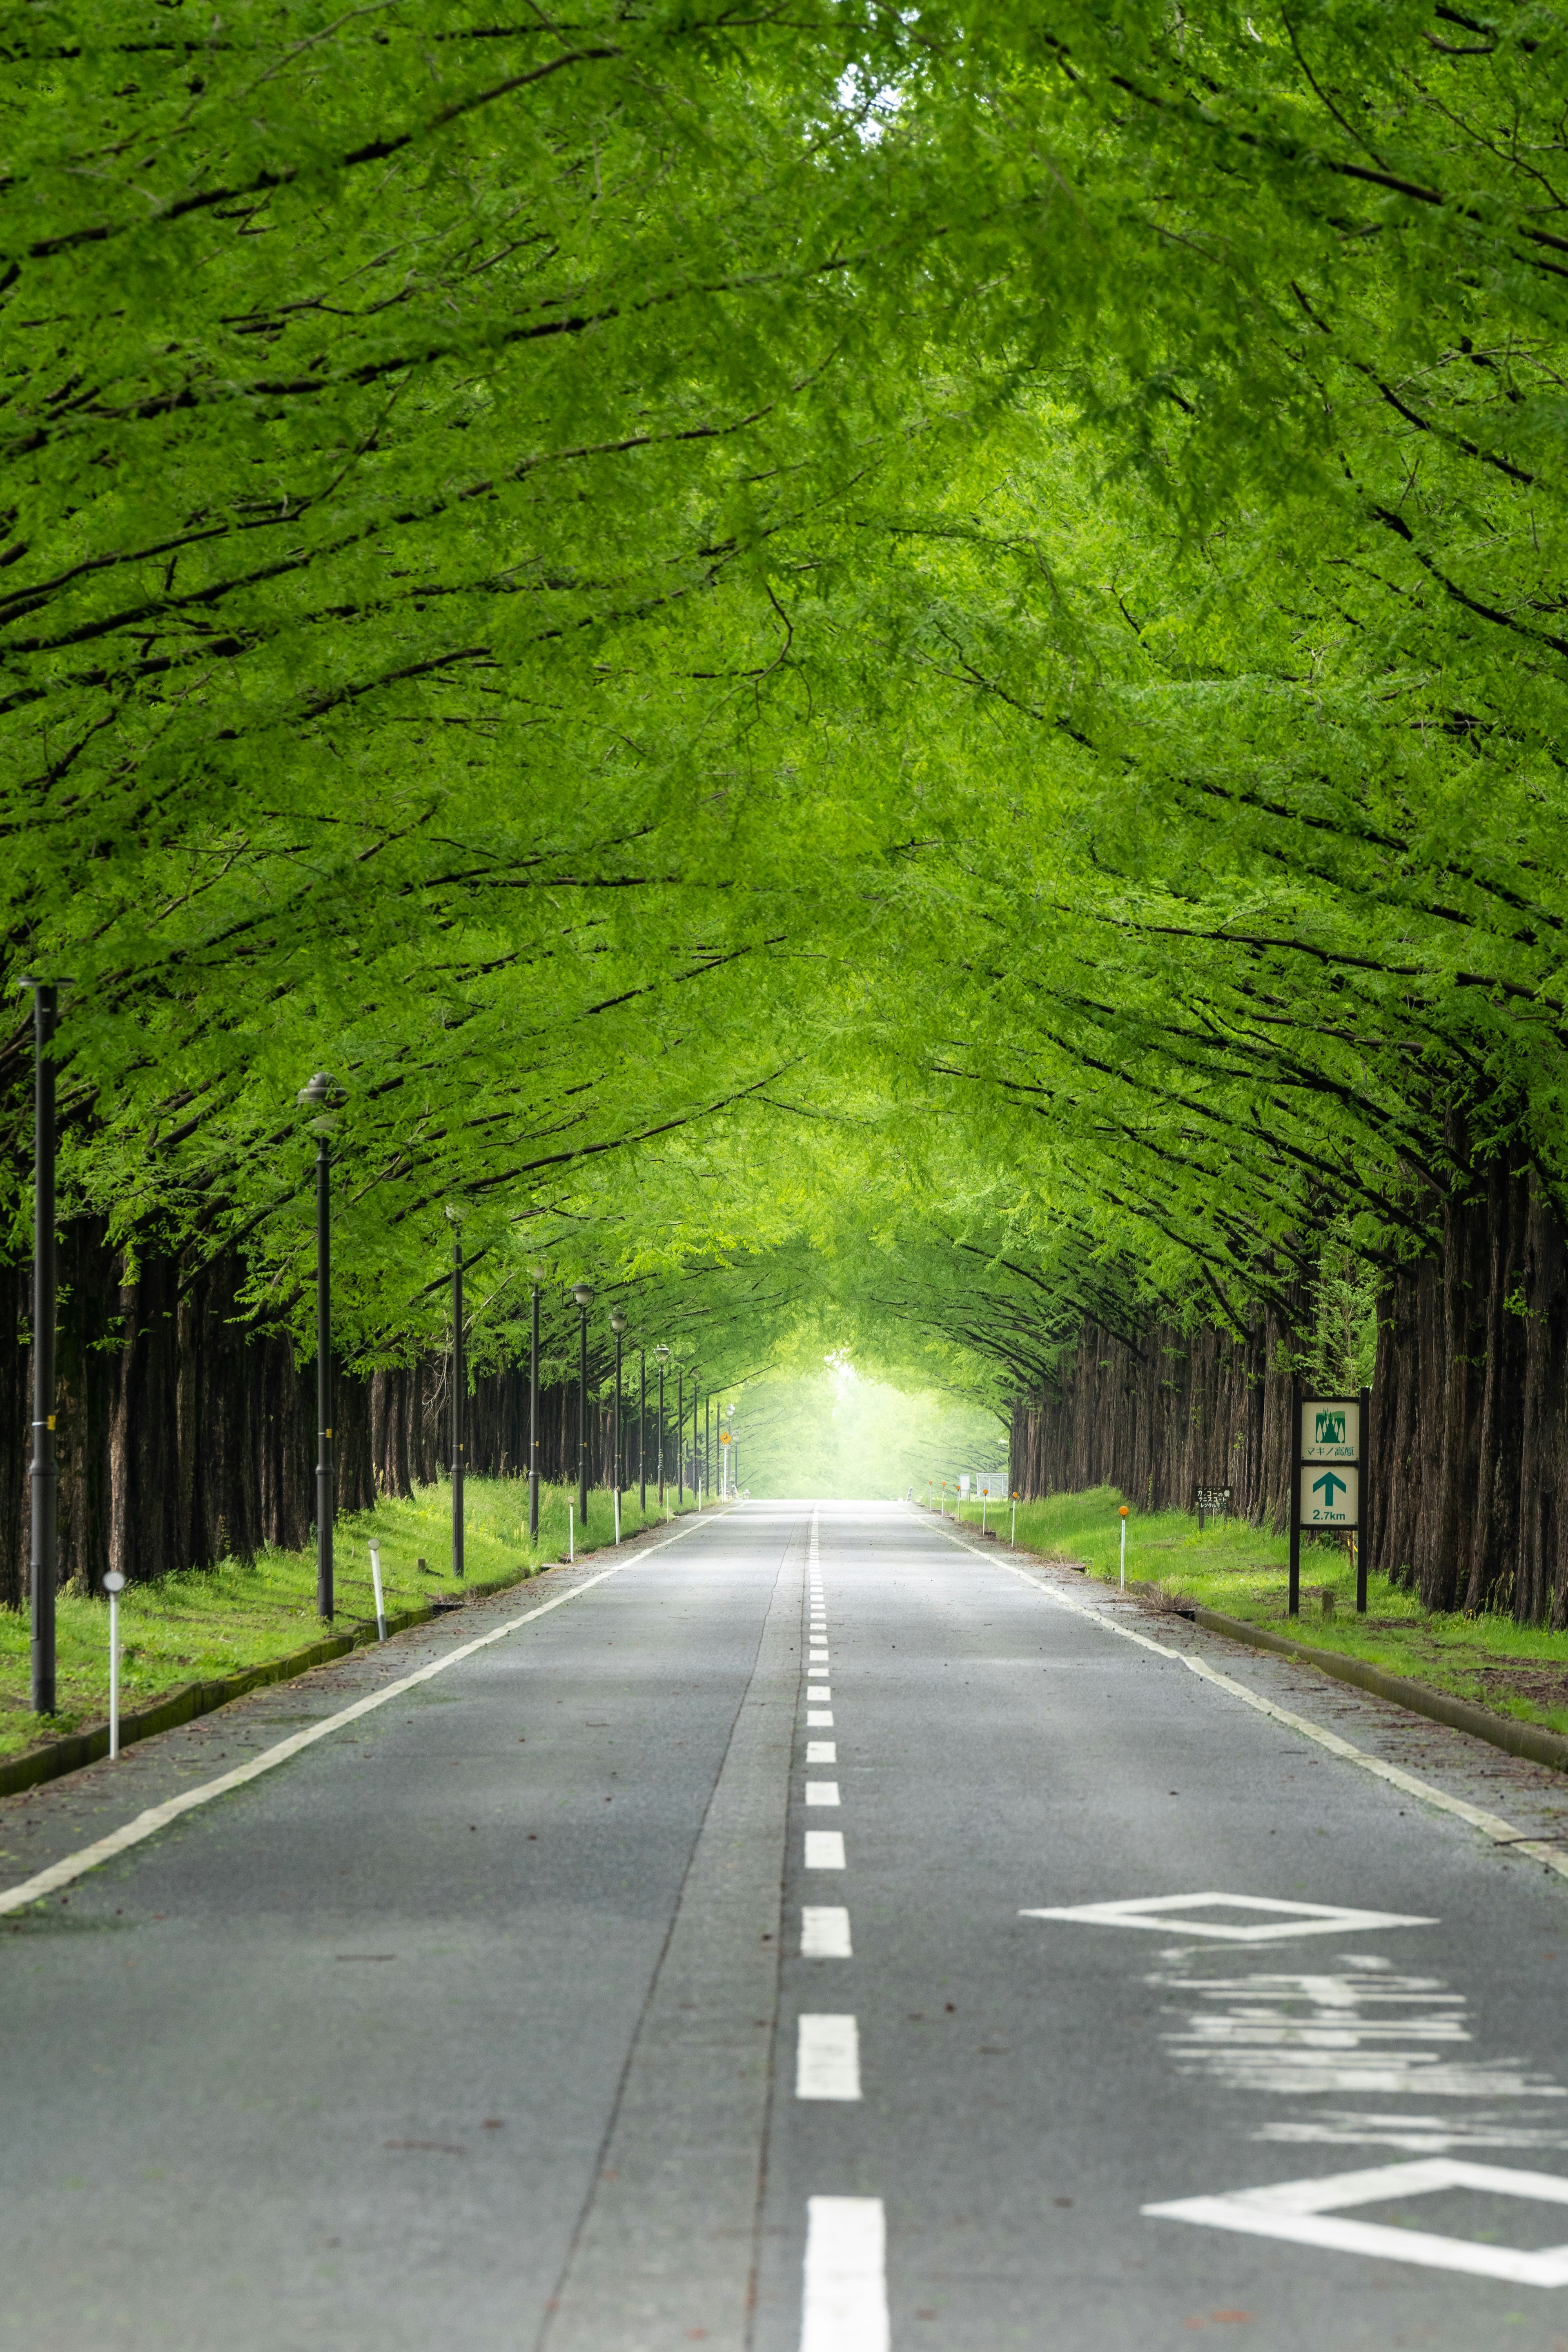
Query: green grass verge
[[207, 1622], [1514, 1670]]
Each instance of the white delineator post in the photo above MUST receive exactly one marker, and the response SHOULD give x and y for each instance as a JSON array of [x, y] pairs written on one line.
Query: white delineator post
[[571, 1537], [618, 1515], [1013, 1531], [1123, 1546], [375, 1582], [114, 1585]]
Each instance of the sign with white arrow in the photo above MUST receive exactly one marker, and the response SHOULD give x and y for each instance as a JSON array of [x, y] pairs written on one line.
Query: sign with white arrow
[[1331, 1495]]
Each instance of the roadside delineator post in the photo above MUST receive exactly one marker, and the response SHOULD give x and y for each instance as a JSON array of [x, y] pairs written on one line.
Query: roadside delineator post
[[1123, 1546], [570, 1538], [1012, 1532], [114, 1585], [375, 1581]]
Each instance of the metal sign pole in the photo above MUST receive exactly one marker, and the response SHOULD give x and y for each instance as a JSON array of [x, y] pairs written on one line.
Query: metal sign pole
[[1294, 1603], [1364, 1513], [44, 1562]]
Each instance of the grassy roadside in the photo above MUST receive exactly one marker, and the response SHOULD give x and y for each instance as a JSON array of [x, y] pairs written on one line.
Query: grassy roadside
[[1513, 1669], [205, 1623]]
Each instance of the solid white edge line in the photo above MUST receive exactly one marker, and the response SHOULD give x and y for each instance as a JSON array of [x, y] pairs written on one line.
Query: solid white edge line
[[1491, 1826], [158, 1817]]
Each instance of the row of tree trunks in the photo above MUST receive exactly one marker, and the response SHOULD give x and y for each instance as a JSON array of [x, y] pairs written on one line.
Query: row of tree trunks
[[1180, 1411], [186, 1435], [1467, 1482], [1471, 1408]]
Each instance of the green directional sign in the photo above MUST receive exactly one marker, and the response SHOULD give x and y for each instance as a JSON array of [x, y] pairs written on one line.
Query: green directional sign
[[1331, 1495], [1330, 1429]]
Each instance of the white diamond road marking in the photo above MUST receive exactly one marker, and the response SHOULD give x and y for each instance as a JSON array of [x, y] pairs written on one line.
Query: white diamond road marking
[[1153, 1911], [1309, 2213], [825, 1849], [827, 2059], [845, 2303], [824, 1932], [822, 1792]]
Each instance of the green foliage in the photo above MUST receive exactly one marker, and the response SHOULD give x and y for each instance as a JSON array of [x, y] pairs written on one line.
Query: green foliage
[[889, 677]]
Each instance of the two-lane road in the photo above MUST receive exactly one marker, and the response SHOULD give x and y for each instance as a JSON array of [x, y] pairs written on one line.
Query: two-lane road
[[788, 1941]]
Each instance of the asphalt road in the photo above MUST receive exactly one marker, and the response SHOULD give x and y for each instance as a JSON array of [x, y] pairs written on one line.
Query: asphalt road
[[638, 1981]]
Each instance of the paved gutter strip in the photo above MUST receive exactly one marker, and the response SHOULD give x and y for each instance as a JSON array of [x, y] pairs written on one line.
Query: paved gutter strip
[[47, 1822], [55, 1758], [1379, 1720], [1531, 1741]]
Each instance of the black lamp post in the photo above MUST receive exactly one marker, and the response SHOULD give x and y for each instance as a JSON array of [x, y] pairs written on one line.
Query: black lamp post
[[583, 1292], [538, 1274], [642, 1430], [695, 1481], [320, 1094], [680, 1434], [44, 1475], [618, 1326], [662, 1353]]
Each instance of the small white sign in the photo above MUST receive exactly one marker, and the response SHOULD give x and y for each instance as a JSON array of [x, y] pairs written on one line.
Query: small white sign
[[1330, 1429], [1312, 2214], [1331, 1495], [964, 1482], [1161, 1912]]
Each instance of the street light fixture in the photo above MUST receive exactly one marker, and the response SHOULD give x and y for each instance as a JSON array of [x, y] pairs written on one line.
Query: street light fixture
[[43, 1477], [319, 1096], [539, 1276], [662, 1353], [583, 1292], [617, 1325], [642, 1430]]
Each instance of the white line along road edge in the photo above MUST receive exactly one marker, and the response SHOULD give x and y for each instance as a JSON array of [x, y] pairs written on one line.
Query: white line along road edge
[[147, 1824], [1491, 1826]]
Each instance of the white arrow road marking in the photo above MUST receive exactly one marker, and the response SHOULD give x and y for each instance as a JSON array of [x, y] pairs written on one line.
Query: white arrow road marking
[[845, 2306], [1309, 2213]]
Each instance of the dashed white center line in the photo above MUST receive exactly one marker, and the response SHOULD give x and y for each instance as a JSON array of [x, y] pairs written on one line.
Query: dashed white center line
[[819, 1695], [827, 2059], [846, 2300], [822, 1792], [822, 1751], [825, 1850], [824, 1932], [819, 1718]]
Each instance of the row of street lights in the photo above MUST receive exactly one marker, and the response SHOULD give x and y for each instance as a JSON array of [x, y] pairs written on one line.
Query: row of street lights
[[321, 1096]]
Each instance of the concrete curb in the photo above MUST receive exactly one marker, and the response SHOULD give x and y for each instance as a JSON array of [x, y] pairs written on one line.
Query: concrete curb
[[58, 1757], [1530, 1741]]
